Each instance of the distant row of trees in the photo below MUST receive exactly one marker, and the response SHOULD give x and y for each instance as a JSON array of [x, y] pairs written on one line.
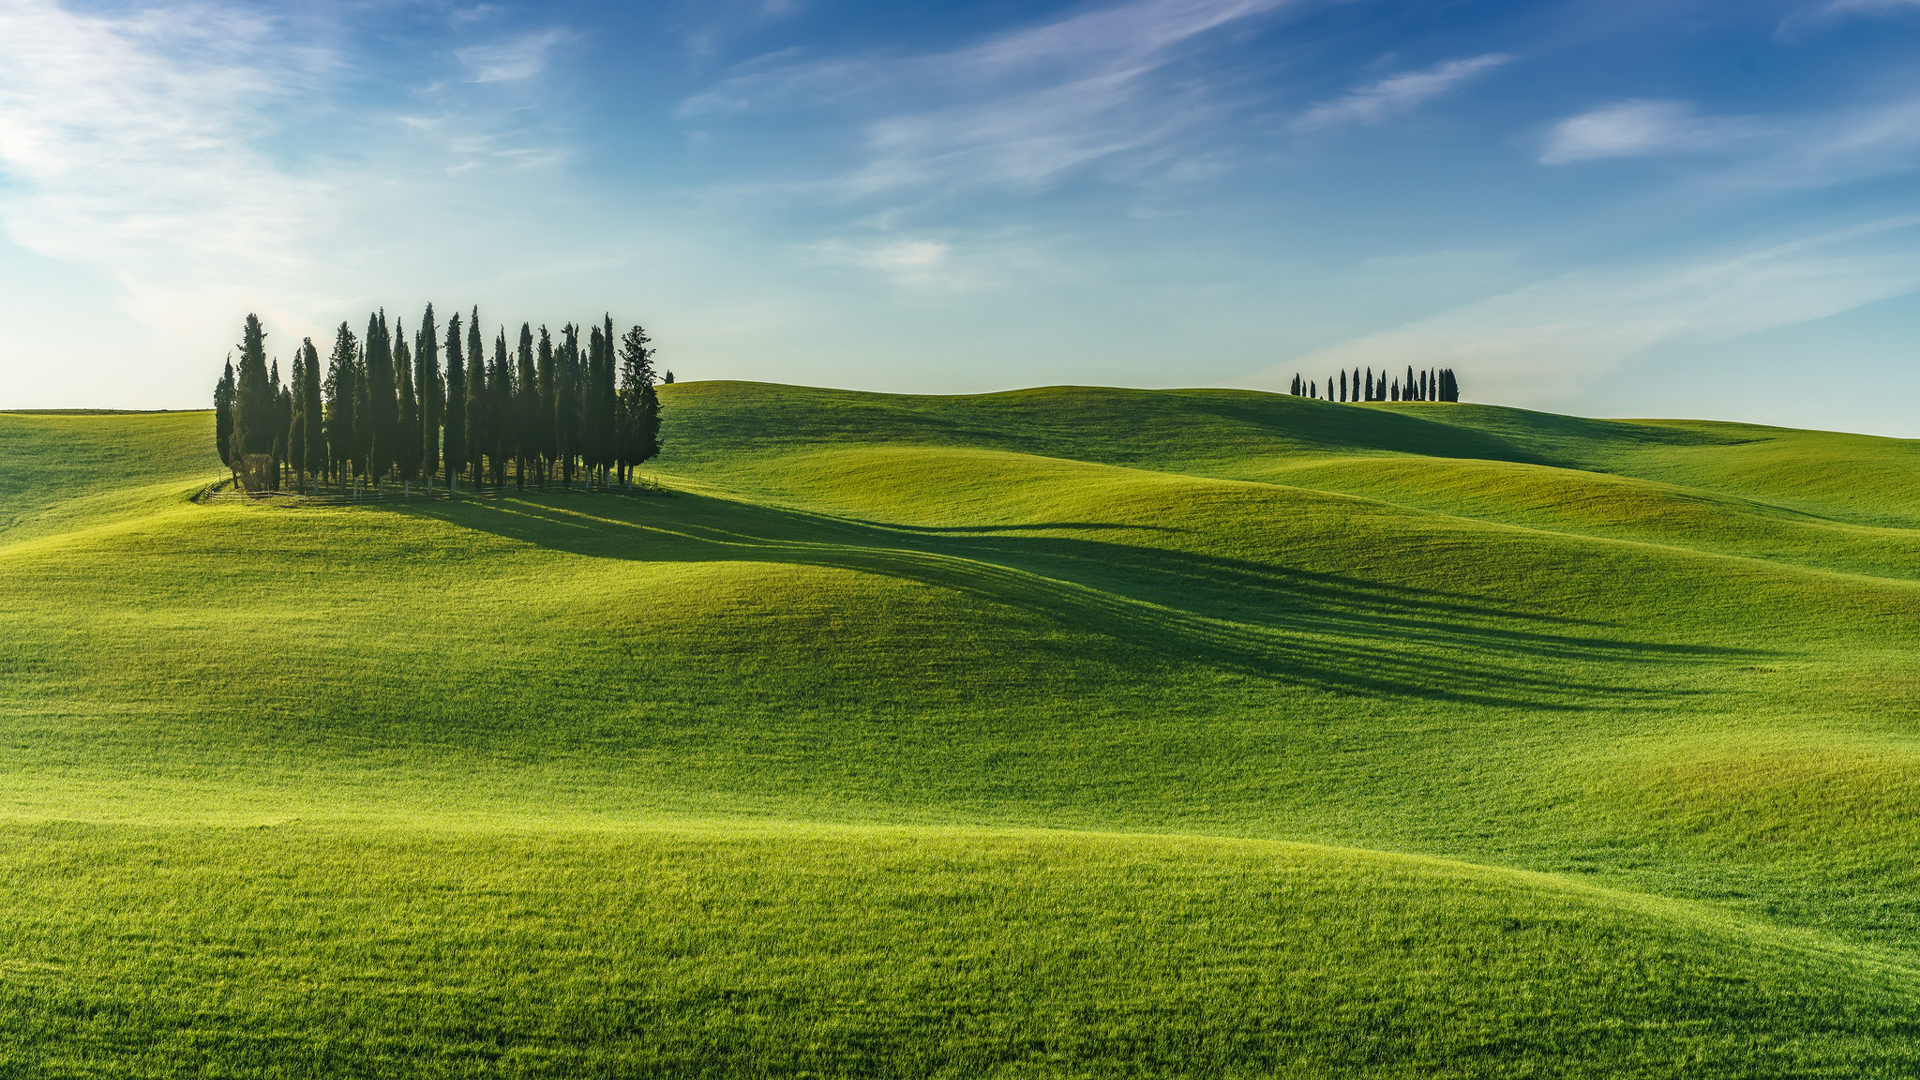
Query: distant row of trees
[[1434, 384], [384, 410]]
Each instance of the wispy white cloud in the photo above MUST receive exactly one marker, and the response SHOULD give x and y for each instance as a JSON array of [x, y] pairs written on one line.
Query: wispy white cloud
[[1540, 345], [514, 60], [1018, 109], [126, 144], [1397, 94], [1641, 129]]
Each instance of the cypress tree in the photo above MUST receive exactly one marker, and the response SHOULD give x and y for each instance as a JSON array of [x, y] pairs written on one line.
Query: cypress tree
[[609, 399], [342, 425], [223, 416], [478, 422], [408, 441], [1369, 396], [592, 438], [315, 450], [1343, 386], [455, 451], [500, 409], [297, 433], [526, 405], [566, 400], [544, 404], [433, 395], [362, 422], [283, 429], [254, 408], [383, 394], [638, 414]]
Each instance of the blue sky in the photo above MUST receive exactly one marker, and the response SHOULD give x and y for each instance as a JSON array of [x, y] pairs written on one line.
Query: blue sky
[[1612, 208]]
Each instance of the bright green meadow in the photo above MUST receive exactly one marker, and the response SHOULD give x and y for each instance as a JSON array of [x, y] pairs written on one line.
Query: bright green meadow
[[1064, 732]]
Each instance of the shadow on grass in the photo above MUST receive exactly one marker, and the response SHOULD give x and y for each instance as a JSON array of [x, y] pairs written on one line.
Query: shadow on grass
[[1322, 630]]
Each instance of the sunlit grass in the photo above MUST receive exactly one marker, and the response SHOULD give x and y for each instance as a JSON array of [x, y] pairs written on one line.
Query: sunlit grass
[[927, 736]]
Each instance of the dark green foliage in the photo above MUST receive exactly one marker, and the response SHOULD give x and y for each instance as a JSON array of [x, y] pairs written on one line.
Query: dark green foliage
[[455, 451], [255, 412], [638, 415], [383, 402], [343, 398], [479, 401], [223, 414], [566, 400], [312, 423], [433, 394], [503, 436], [543, 403], [407, 444], [297, 433], [526, 407]]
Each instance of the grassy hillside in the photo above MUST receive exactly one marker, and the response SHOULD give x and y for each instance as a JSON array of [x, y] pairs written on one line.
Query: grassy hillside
[[1059, 732]]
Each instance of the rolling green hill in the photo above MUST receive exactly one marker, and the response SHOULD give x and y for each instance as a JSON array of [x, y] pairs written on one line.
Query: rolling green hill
[[1063, 732]]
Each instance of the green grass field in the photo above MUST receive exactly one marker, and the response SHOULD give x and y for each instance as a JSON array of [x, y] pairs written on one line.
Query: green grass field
[[1064, 732]]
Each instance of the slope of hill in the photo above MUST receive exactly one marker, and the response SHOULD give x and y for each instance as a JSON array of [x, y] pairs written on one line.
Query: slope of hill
[[1059, 732]]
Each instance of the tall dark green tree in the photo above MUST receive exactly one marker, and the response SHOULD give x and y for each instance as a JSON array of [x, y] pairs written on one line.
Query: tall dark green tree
[[297, 433], [342, 398], [223, 415], [479, 420], [526, 407], [255, 412], [500, 409], [282, 427], [314, 453], [455, 447], [566, 401], [407, 444], [638, 422], [383, 400], [545, 373], [433, 395], [592, 438]]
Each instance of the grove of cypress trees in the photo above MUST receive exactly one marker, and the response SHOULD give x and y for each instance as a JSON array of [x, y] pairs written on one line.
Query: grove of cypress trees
[[455, 451], [223, 416]]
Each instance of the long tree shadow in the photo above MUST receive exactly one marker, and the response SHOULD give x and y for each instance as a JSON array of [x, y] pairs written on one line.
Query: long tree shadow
[[1294, 626]]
